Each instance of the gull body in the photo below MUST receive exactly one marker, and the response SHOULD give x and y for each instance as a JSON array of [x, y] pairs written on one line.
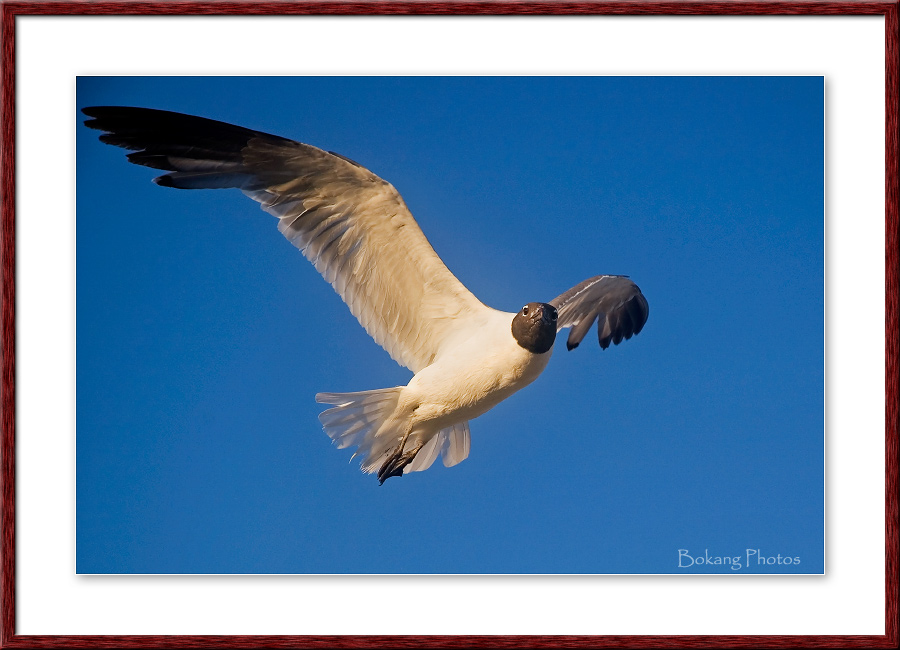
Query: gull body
[[479, 366], [479, 371], [357, 231]]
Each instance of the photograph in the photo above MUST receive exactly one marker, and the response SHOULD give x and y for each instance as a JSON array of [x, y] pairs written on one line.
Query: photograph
[[442, 325]]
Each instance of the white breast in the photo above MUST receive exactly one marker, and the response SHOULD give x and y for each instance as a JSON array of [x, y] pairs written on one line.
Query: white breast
[[479, 368]]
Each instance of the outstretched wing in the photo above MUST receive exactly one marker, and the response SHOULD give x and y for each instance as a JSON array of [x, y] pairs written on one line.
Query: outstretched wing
[[353, 226], [614, 300]]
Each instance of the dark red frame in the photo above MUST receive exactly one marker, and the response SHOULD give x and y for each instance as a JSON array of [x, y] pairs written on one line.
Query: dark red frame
[[8, 637]]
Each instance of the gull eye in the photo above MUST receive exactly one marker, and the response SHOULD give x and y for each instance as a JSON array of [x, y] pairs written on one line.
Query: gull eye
[[525, 310], [553, 315]]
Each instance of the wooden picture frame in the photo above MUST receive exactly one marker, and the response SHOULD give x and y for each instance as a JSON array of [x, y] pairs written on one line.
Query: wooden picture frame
[[12, 10]]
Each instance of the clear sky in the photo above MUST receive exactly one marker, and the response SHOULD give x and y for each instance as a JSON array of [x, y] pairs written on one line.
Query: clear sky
[[203, 335]]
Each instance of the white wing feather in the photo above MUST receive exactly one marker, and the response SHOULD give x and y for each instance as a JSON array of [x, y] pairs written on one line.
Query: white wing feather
[[352, 225], [363, 240]]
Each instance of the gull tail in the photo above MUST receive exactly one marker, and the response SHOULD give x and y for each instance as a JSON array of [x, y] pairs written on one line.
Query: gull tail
[[363, 419], [359, 419]]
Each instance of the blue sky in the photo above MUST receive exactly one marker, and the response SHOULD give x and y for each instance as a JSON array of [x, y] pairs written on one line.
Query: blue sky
[[203, 335]]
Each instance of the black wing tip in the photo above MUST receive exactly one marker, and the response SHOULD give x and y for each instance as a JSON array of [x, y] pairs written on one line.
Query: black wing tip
[[104, 111], [606, 342], [94, 112], [97, 111], [153, 120], [629, 322], [101, 114]]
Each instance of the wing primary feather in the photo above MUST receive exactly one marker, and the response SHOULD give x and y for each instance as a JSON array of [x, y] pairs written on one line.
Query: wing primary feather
[[613, 301]]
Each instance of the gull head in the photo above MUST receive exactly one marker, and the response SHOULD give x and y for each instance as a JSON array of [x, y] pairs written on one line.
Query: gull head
[[534, 327]]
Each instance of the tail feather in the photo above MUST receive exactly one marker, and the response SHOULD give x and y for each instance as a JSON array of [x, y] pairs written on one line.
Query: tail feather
[[361, 420], [357, 419], [426, 456], [455, 447], [452, 443]]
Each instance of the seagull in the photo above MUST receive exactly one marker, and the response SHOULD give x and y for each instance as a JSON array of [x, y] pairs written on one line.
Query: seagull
[[358, 233]]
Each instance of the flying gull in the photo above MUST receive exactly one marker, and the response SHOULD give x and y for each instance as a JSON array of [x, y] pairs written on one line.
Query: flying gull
[[357, 231]]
